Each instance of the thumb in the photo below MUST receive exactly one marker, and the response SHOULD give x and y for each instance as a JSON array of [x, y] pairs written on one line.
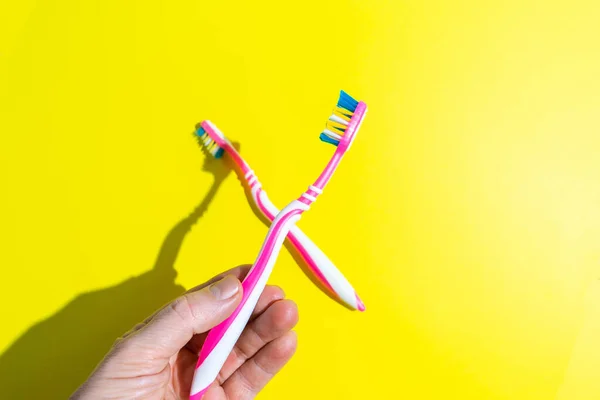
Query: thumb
[[193, 313]]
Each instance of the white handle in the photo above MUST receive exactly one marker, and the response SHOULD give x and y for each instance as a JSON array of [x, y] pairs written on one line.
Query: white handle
[[322, 267], [336, 280], [222, 338]]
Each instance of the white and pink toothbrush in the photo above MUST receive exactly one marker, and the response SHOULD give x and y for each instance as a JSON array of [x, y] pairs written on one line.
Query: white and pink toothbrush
[[341, 130], [319, 264]]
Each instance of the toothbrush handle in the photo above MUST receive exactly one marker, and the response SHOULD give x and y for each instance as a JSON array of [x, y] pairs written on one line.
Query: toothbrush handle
[[221, 339], [320, 265], [324, 270]]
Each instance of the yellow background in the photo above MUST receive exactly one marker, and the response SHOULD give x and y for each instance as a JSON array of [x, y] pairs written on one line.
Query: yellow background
[[467, 213]]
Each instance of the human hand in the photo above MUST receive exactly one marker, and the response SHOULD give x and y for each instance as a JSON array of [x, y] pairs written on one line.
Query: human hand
[[157, 358]]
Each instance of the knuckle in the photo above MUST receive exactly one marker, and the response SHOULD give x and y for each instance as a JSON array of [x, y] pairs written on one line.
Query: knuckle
[[182, 308], [253, 341], [263, 370], [246, 383]]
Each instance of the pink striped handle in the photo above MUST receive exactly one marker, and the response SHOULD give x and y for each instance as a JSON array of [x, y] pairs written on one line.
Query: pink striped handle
[[321, 267], [222, 338]]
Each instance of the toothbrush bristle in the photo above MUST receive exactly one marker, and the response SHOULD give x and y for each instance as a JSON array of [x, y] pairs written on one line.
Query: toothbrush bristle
[[346, 101], [211, 146], [338, 121]]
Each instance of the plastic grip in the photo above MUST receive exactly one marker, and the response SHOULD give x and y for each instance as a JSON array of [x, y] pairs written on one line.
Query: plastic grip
[[322, 267], [222, 338]]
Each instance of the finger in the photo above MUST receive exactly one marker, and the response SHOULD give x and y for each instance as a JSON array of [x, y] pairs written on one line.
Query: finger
[[215, 392], [251, 377], [270, 295], [239, 272], [275, 322], [173, 326]]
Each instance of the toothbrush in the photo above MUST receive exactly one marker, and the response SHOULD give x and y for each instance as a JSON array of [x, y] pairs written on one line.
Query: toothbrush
[[319, 264], [340, 131]]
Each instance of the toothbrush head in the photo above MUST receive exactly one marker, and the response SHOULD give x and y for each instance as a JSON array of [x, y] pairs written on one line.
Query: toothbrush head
[[208, 135], [345, 121]]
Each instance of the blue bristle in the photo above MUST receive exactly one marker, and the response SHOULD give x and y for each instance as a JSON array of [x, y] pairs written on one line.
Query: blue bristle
[[219, 153], [200, 131], [327, 139], [346, 101]]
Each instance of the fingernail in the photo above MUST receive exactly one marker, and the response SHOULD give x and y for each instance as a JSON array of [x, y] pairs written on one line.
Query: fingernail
[[225, 288]]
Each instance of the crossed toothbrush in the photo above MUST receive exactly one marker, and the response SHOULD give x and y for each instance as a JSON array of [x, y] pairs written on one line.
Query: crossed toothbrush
[[341, 129]]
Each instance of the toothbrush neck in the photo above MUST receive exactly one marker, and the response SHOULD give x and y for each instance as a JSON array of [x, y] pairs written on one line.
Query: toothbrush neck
[[316, 188], [237, 158], [325, 176]]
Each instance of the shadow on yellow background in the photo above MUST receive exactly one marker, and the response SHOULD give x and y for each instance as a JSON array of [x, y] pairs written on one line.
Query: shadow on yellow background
[[52, 358], [74, 339]]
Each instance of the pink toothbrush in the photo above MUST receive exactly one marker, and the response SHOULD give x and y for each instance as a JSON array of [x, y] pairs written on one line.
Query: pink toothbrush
[[340, 131], [321, 267]]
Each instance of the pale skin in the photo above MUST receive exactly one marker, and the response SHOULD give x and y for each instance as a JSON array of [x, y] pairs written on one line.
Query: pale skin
[[157, 358]]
